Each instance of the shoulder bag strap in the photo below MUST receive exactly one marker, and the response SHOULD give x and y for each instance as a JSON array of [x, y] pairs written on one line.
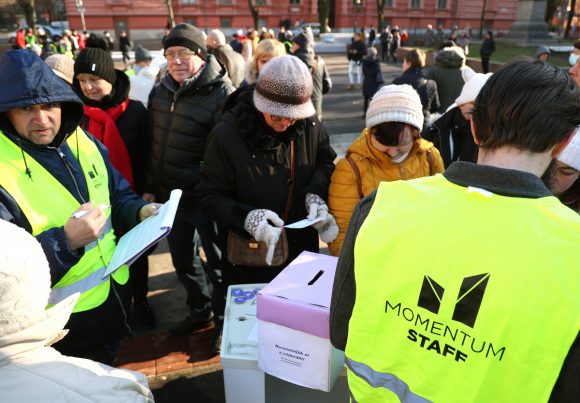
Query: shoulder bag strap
[[357, 174], [289, 201], [430, 162]]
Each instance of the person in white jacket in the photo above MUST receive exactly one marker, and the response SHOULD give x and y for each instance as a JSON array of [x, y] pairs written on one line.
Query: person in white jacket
[[31, 370]]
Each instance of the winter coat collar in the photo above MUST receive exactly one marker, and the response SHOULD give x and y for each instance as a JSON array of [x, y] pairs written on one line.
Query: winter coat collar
[[506, 182], [26, 80]]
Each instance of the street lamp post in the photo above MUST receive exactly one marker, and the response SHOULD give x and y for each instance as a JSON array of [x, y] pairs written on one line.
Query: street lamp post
[[82, 10]]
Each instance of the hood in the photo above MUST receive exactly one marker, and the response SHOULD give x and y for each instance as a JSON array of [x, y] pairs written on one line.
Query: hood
[[452, 57], [306, 55], [117, 96], [26, 80], [239, 111]]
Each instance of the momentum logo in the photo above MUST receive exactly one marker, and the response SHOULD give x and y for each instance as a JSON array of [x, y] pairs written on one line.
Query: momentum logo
[[468, 301], [440, 336]]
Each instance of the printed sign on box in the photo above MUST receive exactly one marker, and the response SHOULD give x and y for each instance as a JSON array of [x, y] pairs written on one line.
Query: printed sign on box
[[293, 324]]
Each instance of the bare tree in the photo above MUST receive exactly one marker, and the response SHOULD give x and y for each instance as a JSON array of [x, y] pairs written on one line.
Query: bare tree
[[380, 14], [28, 8], [255, 13], [323, 12]]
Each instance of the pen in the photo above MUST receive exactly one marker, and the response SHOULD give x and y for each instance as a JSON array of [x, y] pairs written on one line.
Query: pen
[[82, 213]]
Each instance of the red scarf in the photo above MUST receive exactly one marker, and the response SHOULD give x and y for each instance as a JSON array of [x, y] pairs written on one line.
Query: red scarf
[[103, 127]]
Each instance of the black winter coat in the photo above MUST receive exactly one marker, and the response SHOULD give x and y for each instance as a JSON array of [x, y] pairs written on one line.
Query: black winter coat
[[181, 119], [372, 76], [452, 125], [426, 88], [247, 167]]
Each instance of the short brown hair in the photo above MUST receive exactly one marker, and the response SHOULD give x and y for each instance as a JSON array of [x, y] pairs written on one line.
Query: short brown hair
[[416, 58]]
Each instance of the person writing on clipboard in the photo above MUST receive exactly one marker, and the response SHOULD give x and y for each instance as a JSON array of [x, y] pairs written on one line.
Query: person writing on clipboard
[[51, 172]]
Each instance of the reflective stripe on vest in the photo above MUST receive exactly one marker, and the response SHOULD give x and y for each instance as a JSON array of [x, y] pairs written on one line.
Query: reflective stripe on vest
[[87, 283], [44, 213], [467, 312], [383, 380]]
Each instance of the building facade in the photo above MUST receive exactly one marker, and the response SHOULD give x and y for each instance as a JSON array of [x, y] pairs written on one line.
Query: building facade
[[149, 18]]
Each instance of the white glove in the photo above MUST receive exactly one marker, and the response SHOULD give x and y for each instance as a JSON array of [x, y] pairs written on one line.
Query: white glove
[[257, 225], [317, 208]]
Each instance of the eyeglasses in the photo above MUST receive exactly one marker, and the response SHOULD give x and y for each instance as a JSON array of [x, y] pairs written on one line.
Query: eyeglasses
[[183, 55]]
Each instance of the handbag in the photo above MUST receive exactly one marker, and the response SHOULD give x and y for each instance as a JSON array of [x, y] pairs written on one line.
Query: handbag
[[249, 252]]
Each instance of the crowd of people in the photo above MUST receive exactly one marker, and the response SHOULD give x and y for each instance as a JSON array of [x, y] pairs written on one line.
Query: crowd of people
[[456, 174]]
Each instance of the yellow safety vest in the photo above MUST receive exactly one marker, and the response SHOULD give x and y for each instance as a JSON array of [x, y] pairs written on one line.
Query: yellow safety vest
[[462, 295], [47, 204]]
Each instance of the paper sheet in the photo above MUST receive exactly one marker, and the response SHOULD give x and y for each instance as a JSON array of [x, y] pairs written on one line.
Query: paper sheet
[[146, 234], [302, 223]]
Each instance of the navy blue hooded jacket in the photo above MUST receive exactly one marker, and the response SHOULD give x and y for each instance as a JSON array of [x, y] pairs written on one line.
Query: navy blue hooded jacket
[[26, 80]]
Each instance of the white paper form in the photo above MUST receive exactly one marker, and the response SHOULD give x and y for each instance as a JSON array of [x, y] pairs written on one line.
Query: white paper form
[[145, 234], [302, 223]]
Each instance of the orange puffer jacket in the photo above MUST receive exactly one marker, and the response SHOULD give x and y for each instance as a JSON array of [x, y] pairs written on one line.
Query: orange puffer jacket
[[374, 168]]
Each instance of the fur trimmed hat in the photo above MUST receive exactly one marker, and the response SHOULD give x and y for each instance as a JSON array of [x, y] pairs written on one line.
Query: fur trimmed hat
[[396, 103], [471, 88], [284, 88], [571, 154], [188, 36]]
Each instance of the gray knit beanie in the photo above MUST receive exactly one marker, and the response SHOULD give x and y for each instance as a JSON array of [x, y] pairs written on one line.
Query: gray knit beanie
[[396, 103], [284, 88], [188, 36]]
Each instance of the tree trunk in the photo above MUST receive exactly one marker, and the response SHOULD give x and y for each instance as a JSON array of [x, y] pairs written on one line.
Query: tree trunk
[[170, 12], [255, 14], [380, 14], [570, 16], [323, 12]]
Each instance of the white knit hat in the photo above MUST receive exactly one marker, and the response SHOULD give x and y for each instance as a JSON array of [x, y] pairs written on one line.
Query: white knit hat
[[24, 279], [471, 88], [571, 154], [284, 88], [25, 288], [396, 103]]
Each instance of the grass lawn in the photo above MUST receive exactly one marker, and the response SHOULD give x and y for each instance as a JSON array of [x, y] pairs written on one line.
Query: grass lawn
[[504, 52]]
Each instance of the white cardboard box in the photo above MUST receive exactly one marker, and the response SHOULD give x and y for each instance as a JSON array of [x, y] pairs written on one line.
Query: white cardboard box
[[293, 323]]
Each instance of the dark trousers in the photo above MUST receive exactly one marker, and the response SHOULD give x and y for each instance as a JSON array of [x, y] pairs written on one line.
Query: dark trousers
[[385, 52], [139, 271], [182, 245], [485, 64]]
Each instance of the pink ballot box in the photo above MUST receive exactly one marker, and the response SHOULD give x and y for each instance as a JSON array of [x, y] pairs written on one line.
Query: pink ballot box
[[293, 310]]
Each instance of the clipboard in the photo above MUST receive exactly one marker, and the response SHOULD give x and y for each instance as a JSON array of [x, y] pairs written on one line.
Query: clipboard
[[144, 235]]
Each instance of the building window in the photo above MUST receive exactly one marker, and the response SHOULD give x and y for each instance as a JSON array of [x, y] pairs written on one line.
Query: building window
[[225, 2], [389, 3], [415, 3], [225, 22], [191, 21], [294, 2], [188, 1], [442, 4], [260, 2], [357, 2]]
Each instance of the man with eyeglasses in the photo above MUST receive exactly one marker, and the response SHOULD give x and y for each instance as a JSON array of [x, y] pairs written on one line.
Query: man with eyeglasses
[[183, 107]]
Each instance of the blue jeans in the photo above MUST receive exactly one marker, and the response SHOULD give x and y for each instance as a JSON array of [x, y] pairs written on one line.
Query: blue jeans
[[183, 254]]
